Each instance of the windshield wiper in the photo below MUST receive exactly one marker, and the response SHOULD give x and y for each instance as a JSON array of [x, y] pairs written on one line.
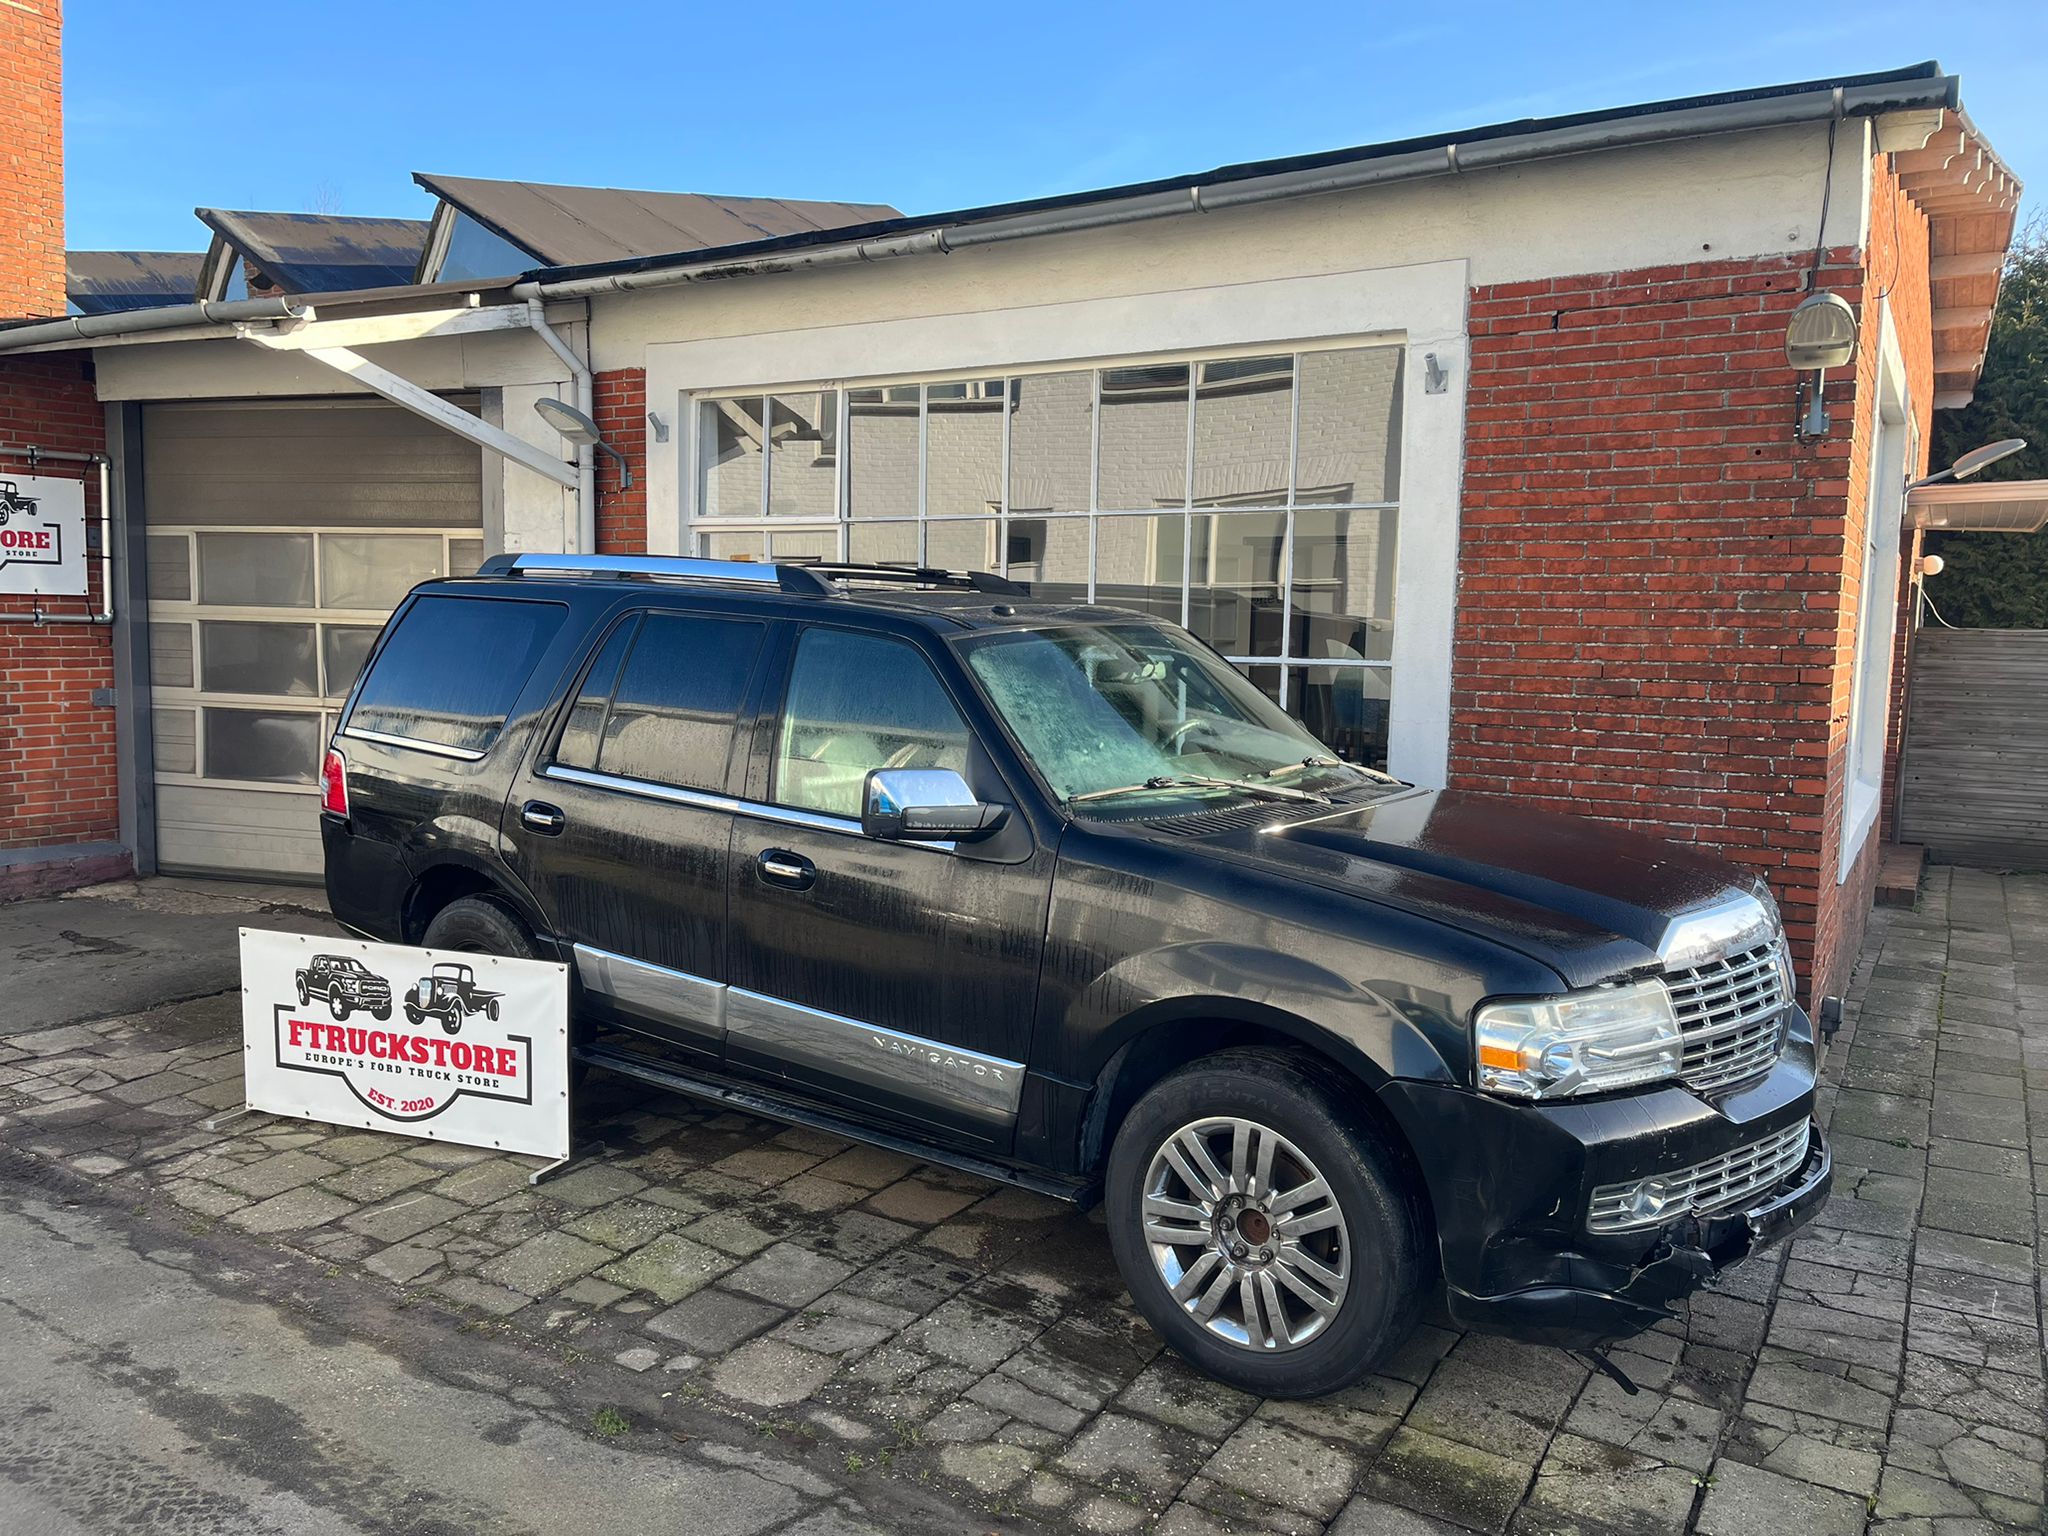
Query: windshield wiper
[[1195, 781], [1328, 762]]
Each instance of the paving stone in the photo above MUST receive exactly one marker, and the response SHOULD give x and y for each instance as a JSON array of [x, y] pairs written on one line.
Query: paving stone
[[714, 1321], [968, 1333], [379, 1180], [484, 1183], [808, 1192], [1791, 1386], [1459, 1483], [1977, 1396], [868, 1167], [593, 1184], [626, 1224], [670, 1267], [592, 1292], [402, 1262], [1585, 1484], [1013, 1399], [963, 1422], [293, 1211], [404, 1216], [730, 1232], [1121, 1452], [274, 1175], [545, 1263], [207, 1199], [1276, 1465], [989, 1468], [766, 1164], [1512, 1416], [497, 1300], [788, 1275], [770, 1373], [920, 1202], [1748, 1501], [638, 1358], [1977, 1258], [1368, 1516]]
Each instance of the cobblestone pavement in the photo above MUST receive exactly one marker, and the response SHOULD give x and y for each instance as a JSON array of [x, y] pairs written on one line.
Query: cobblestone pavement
[[891, 1321]]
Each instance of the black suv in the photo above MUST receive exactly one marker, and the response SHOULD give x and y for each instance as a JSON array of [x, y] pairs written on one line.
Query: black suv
[[344, 983], [1053, 893]]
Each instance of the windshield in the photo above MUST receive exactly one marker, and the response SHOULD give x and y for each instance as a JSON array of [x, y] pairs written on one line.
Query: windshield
[[1109, 710]]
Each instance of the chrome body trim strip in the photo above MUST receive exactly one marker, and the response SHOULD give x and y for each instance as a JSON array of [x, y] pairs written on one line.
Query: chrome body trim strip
[[784, 815], [654, 992], [412, 744], [986, 1089]]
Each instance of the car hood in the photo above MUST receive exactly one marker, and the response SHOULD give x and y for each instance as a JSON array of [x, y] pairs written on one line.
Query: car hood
[[1586, 899]]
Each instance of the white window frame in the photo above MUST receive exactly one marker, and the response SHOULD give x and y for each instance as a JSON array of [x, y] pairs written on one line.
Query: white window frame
[[1870, 686], [1421, 306]]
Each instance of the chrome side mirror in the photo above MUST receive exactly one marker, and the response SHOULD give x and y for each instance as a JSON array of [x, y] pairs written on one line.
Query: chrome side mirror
[[925, 805]]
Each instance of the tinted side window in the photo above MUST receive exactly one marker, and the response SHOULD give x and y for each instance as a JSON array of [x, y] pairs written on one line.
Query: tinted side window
[[585, 726], [671, 716], [858, 702], [452, 669]]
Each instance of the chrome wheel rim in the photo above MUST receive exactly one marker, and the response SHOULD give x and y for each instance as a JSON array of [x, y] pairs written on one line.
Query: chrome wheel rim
[[1246, 1234]]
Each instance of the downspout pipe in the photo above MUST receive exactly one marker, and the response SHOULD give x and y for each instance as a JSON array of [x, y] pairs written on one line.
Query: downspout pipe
[[36, 616], [586, 402], [132, 321], [1236, 191]]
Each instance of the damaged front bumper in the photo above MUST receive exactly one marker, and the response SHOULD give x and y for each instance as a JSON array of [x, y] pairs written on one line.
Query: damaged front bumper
[[1511, 1186], [1612, 1301]]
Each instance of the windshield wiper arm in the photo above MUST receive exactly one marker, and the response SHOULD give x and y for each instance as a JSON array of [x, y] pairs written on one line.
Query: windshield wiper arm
[[1195, 781], [1328, 762]]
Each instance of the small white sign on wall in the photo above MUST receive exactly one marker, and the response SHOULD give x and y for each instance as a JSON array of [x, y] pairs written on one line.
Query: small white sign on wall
[[424, 1042], [42, 536]]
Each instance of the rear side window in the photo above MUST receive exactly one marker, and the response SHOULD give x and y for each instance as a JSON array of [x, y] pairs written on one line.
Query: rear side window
[[451, 670], [668, 717]]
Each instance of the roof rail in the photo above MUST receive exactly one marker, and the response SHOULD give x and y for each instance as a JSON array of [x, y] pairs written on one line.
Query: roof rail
[[793, 579], [801, 579], [917, 575]]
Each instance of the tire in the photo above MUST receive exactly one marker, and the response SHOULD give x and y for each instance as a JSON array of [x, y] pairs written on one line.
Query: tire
[[337, 1004], [413, 1015], [451, 1022], [482, 927], [380, 1014], [491, 1010], [1376, 1241], [304, 996]]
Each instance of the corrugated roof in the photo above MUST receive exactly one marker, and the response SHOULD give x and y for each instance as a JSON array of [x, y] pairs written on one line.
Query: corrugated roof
[[565, 226], [106, 282], [323, 252]]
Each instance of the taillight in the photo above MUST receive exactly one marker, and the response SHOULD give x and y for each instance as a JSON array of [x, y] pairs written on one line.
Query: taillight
[[334, 784]]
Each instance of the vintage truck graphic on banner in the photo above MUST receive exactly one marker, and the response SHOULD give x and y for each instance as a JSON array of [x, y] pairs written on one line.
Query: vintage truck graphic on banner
[[479, 1053], [42, 536]]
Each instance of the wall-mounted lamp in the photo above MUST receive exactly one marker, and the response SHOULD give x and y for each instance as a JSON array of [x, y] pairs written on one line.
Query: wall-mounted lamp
[[583, 432], [1932, 565], [1820, 335], [1976, 459]]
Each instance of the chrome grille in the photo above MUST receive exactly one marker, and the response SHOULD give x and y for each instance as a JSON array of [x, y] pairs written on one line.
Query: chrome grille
[[1733, 1013], [1706, 1189]]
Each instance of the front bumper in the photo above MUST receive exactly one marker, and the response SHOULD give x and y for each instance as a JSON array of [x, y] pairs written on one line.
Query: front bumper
[[1510, 1184]]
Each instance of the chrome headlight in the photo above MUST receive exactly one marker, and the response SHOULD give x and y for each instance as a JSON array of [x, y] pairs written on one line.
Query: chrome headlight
[[1584, 1042]]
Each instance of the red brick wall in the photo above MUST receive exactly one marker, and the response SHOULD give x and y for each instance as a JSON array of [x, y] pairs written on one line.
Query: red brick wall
[[31, 158], [622, 414], [57, 752], [1651, 581]]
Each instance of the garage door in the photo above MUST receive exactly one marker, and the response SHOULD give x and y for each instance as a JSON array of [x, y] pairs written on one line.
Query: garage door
[[281, 535]]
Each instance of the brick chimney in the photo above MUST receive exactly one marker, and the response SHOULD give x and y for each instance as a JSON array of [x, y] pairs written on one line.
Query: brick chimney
[[31, 158]]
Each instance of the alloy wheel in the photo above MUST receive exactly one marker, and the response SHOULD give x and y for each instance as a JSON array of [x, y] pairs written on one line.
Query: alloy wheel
[[1246, 1234]]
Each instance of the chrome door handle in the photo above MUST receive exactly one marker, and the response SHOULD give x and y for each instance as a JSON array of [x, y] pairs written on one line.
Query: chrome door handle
[[777, 866], [542, 817]]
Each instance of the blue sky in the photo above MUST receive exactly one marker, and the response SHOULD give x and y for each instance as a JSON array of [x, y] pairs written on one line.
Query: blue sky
[[927, 107]]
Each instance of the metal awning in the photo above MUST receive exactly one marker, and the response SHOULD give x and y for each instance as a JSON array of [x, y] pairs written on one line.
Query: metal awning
[[2003, 506]]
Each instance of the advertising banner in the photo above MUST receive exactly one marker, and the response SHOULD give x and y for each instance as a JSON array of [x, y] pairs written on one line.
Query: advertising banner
[[424, 1042], [42, 536]]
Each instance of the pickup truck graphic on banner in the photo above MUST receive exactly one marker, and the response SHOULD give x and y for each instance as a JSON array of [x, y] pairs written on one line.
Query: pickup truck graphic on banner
[[42, 536], [320, 1040]]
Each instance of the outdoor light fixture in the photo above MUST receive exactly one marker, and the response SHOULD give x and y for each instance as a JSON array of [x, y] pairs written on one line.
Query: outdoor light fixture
[[582, 431], [1932, 565], [1820, 335], [1975, 460]]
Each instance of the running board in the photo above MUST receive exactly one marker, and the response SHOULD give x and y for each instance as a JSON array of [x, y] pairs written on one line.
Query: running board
[[753, 1101]]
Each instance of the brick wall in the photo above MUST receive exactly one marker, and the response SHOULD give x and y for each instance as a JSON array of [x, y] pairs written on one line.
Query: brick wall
[[58, 781], [1651, 597], [622, 416], [31, 159]]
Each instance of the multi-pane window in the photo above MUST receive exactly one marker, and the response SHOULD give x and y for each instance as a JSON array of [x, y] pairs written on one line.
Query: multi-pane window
[[1253, 499]]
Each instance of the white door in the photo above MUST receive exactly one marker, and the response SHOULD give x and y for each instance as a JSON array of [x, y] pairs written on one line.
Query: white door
[[281, 535]]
